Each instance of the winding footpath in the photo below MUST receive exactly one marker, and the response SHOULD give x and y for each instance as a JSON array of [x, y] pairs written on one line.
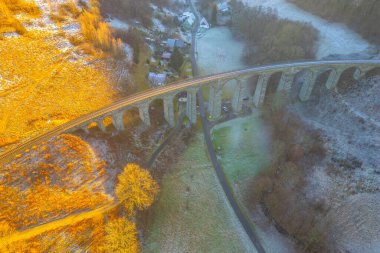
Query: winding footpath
[[206, 130]]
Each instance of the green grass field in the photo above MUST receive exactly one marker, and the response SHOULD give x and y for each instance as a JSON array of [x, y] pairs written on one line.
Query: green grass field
[[192, 213]]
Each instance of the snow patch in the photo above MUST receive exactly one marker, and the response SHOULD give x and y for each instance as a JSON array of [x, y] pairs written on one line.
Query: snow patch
[[334, 38], [118, 24]]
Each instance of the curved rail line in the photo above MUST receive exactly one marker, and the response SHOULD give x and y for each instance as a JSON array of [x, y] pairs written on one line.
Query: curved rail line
[[151, 94]]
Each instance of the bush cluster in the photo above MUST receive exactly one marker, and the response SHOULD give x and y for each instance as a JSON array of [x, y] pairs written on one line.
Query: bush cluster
[[270, 39], [96, 31], [279, 189], [362, 16]]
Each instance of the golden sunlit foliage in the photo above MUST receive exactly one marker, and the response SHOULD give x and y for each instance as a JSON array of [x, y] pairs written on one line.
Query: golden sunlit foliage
[[121, 237], [99, 33], [51, 181], [43, 87], [78, 237], [136, 188], [8, 23], [22, 6], [8, 10]]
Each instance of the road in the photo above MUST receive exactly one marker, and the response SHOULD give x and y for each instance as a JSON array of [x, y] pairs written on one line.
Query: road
[[206, 130]]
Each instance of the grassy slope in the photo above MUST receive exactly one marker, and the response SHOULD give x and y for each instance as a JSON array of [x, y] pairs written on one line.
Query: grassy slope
[[191, 214]]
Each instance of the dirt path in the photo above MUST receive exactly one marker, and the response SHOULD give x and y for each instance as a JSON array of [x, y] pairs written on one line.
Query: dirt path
[[70, 220]]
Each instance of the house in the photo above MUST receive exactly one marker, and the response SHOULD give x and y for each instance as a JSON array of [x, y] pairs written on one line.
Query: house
[[187, 19], [166, 56], [224, 13], [204, 24], [179, 43], [223, 8], [186, 15], [157, 79], [172, 43]]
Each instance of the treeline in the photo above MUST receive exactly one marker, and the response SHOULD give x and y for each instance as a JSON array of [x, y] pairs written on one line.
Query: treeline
[[280, 189], [361, 16], [269, 38], [132, 9]]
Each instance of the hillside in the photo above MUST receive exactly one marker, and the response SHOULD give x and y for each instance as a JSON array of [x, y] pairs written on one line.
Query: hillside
[[49, 68], [362, 16]]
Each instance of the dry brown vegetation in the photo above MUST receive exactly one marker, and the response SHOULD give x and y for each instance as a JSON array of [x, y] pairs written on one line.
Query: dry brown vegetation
[[43, 88], [90, 235], [50, 182], [45, 82], [8, 10], [279, 188], [362, 16], [269, 38], [62, 178], [96, 31]]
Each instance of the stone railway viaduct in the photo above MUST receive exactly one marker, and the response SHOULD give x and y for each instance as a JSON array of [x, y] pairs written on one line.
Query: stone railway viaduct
[[240, 80]]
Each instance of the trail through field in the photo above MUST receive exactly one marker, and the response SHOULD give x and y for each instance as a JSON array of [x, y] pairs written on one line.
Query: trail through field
[[70, 220]]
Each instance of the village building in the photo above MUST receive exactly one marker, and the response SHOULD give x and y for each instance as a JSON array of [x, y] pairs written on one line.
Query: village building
[[172, 43], [204, 24], [224, 13], [166, 56], [157, 79]]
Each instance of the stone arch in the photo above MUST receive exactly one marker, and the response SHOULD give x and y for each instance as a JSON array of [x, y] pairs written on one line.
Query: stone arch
[[348, 79], [191, 104], [185, 101], [252, 84], [118, 120], [156, 111], [295, 89], [273, 85], [179, 104], [372, 72], [309, 78], [131, 117], [261, 88], [323, 80], [105, 124], [240, 97], [92, 126], [228, 88]]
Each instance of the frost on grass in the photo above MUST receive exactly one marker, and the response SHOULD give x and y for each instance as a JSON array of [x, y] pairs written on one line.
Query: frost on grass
[[192, 213]]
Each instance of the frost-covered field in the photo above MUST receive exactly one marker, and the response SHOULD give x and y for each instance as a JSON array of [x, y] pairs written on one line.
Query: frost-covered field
[[348, 178], [218, 51], [192, 213], [245, 151], [334, 38]]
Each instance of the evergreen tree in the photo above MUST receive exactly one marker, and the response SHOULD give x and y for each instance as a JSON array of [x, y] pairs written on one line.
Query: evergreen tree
[[214, 15], [176, 60]]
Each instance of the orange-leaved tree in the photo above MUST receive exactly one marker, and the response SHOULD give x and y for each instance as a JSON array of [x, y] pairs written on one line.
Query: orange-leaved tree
[[98, 32], [121, 236], [136, 188]]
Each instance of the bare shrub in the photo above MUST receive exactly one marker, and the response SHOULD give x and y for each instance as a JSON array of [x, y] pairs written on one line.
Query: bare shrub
[[279, 188]]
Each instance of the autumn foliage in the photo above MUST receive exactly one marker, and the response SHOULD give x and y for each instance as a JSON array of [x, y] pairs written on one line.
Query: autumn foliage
[[136, 188], [50, 182], [99, 33], [53, 91], [61, 178], [121, 237]]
